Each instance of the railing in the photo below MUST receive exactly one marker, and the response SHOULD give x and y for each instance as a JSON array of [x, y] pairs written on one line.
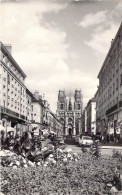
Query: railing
[[8, 111], [22, 116], [112, 109], [32, 121]]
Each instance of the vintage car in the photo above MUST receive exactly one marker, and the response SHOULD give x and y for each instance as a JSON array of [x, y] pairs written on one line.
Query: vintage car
[[85, 141]]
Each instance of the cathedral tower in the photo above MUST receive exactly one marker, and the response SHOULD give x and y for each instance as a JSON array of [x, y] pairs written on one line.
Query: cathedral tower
[[69, 110]]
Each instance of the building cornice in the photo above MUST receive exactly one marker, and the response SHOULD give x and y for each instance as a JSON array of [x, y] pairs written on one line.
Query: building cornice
[[111, 47]]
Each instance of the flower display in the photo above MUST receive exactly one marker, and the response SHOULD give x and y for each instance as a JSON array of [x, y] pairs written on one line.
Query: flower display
[[61, 172]]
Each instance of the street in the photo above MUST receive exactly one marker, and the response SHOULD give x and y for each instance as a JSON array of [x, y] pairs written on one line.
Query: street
[[104, 150]]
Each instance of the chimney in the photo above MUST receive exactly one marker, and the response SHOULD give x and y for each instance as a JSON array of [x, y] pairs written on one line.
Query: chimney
[[112, 41], [9, 48], [36, 94], [40, 97]]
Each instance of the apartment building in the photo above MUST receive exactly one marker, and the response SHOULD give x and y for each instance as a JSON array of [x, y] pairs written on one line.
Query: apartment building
[[42, 117], [37, 112], [12, 90], [29, 98], [109, 94], [91, 117], [19, 108]]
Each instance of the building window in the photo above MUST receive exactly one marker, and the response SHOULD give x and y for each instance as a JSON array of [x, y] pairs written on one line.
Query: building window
[[121, 79], [113, 88], [117, 81], [62, 106], [8, 79], [78, 106]]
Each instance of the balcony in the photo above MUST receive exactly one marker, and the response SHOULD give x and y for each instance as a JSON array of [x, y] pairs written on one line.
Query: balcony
[[22, 117], [32, 121], [12, 113], [112, 109]]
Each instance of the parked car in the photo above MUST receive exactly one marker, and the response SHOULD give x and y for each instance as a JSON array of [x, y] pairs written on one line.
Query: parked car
[[85, 141]]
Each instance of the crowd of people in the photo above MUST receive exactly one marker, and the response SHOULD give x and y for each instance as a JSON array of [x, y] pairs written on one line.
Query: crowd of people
[[27, 145], [107, 138]]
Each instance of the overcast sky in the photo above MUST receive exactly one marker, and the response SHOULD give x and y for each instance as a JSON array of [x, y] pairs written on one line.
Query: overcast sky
[[60, 44]]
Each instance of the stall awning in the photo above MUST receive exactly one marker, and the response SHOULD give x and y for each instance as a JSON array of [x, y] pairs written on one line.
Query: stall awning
[[2, 128], [10, 129]]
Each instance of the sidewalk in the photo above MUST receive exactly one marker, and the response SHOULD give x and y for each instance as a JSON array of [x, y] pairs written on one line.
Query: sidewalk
[[112, 147]]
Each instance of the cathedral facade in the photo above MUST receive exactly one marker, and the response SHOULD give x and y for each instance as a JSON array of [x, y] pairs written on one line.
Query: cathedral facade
[[69, 111]]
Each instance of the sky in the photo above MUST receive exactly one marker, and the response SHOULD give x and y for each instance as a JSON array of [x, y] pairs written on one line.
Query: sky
[[60, 44]]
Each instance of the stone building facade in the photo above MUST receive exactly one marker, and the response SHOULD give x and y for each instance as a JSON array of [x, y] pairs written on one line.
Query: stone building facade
[[19, 107], [69, 111], [12, 90], [109, 93], [91, 117]]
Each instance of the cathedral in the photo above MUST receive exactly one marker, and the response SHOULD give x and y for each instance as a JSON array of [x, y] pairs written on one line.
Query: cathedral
[[69, 111]]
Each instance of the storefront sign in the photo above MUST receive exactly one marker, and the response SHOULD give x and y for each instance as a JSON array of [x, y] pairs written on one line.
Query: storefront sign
[[118, 130], [36, 131], [111, 128]]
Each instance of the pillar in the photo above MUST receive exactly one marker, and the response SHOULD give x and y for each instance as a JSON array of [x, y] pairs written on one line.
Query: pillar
[[66, 133]]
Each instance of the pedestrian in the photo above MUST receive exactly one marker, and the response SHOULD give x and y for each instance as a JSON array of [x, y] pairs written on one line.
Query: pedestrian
[[2, 139], [17, 146]]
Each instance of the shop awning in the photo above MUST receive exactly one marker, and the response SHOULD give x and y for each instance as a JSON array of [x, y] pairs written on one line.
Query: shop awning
[[10, 129], [2, 128]]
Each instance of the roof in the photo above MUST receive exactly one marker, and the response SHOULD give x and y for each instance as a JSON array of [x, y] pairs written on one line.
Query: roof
[[91, 100], [9, 56]]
